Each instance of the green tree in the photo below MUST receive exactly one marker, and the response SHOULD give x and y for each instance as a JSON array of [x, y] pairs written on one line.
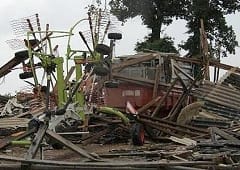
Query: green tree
[[154, 13], [221, 36]]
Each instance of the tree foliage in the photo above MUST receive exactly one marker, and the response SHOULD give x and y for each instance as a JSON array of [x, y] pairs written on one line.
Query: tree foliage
[[155, 13], [220, 35], [164, 44]]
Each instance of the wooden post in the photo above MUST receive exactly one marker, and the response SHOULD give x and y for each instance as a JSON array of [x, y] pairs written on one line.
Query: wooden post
[[156, 83], [204, 47]]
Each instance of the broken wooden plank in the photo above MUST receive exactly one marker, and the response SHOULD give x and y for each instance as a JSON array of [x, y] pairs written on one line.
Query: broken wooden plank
[[183, 168], [13, 122], [17, 59], [174, 124], [156, 110], [36, 112], [141, 164], [148, 105], [183, 141], [169, 128], [175, 110], [183, 72], [70, 145]]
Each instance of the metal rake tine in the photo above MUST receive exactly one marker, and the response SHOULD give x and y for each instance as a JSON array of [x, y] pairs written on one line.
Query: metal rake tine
[[91, 28], [39, 29]]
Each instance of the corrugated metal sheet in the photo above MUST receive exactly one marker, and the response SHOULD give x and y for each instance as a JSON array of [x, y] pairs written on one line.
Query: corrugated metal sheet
[[222, 98]]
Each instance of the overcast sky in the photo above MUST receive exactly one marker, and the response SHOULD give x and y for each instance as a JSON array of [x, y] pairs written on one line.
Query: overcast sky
[[62, 14]]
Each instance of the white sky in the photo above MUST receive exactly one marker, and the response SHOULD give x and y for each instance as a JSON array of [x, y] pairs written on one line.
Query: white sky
[[62, 14]]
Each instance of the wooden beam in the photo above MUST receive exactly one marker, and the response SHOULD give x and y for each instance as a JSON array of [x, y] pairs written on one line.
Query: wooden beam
[[78, 165], [205, 51], [149, 104], [183, 72], [212, 62], [156, 82], [175, 110], [155, 112], [70, 145], [146, 57], [6, 68], [188, 127]]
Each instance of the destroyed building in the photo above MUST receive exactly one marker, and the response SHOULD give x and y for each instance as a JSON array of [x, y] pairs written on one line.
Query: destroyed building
[[143, 111]]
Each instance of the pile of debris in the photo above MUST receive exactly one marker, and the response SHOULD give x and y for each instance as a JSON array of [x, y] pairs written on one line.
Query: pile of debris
[[177, 122]]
